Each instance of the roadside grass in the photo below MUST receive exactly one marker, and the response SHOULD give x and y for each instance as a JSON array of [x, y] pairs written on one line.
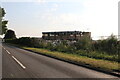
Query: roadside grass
[[96, 63], [98, 55]]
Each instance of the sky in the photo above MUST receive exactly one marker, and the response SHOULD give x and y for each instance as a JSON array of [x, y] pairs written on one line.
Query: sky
[[29, 18]]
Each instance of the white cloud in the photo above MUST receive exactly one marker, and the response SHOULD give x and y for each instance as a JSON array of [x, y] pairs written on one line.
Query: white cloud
[[55, 7], [63, 22], [99, 17], [41, 1]]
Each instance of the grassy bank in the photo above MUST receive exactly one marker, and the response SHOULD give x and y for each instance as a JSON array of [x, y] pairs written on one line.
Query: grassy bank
[[96, 63], [98, 55]]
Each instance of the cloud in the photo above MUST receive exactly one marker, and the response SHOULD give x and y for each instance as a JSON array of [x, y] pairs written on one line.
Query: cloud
[[99, 17], [55, 7], [41, 1], [63, 22]]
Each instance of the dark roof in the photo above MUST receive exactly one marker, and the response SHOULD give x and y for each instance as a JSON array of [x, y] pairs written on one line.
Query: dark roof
[[61, 32]]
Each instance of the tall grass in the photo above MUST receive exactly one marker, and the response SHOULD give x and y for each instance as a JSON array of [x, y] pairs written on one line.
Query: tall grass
[[98, 55], [96, 63]]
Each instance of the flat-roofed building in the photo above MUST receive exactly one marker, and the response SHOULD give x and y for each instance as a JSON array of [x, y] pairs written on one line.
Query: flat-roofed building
[[65, 35]]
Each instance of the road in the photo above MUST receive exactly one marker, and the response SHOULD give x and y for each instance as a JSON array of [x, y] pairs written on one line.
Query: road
[[19, 63]]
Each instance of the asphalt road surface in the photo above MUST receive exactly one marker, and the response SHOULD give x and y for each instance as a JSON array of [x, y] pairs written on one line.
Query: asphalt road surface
[[19, 63]]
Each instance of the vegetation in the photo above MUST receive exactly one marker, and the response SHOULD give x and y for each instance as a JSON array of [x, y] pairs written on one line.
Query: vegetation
[[96, 63], [10, 34], [107, 49], [109, 45], [3, 23]]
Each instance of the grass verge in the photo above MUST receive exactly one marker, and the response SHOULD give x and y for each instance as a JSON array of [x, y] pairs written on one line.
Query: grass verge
[[96, 63], [99, 55]]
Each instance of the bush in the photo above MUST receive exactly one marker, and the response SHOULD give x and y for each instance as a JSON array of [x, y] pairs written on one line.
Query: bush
[[110, 45], [25, 41], [107, 49], [84, 44]]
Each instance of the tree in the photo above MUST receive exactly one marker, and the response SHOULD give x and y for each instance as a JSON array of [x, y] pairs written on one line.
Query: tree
[[3, 23], [109, 45], [10, 34], [85, 43]]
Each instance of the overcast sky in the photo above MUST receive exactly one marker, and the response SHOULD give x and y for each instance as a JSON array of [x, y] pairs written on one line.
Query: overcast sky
[[32, 17]]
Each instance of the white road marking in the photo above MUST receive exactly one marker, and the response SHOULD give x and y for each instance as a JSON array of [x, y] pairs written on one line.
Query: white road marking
[[15, 59], [19, 62], [8, 52]]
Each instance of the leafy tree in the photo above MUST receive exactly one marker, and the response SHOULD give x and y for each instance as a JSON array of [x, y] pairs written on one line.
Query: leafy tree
[[112, 44], [84, 43], [10, 34], [25, 41], [109, 45], [3, 23]]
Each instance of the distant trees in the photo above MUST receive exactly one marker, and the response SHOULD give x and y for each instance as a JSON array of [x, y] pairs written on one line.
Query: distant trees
[[3, 23], [84, 43], [25, 41], [109, 45], [10, 34]]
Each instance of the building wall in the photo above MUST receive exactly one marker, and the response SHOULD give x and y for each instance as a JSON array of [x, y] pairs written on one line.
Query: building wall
[[68, 35]]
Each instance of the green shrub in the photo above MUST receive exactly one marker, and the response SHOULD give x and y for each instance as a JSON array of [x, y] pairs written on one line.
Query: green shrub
[[107, 49], [110, 46], [98, 55]]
